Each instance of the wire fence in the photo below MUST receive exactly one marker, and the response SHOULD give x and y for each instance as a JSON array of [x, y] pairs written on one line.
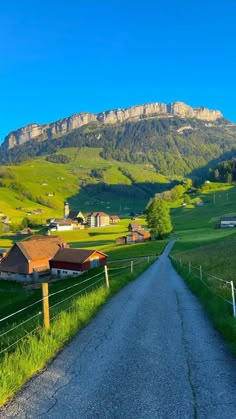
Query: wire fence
[[220, 287], [28, 320]]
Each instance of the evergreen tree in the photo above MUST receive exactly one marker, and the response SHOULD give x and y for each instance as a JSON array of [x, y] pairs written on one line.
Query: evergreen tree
[[158, 218]]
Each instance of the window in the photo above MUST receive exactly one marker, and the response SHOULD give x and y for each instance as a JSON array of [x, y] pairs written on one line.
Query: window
[[94, 263], [64, 272]]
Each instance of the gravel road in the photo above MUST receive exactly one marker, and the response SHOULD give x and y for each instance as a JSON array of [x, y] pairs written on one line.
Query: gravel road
[[149, 353]]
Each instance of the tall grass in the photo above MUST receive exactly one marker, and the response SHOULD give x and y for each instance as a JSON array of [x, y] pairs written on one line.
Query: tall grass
[[35, 351]]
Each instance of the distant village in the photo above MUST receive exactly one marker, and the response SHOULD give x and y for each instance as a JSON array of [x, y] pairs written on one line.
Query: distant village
[[49, 256]]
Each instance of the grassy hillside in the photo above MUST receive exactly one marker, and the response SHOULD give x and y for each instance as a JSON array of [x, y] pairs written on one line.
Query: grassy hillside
[[87, 181], [198, 239]]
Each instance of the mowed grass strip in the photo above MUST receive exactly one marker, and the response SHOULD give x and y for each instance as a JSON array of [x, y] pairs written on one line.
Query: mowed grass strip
[[35, 351]]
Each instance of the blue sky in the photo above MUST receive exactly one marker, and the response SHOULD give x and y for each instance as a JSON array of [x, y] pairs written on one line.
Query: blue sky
[[62, 57]]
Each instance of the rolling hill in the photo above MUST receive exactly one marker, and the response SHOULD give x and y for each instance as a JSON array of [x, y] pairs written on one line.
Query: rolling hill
[[87, 181]]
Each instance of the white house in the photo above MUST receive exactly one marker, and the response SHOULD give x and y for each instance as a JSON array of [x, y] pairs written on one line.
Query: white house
[[61, 225], [227, 222]]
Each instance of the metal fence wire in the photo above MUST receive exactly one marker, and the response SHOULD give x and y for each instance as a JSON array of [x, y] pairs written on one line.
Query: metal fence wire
[[13, 332], [215, 285]]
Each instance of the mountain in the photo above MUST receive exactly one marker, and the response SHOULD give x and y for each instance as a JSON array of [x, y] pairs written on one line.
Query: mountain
[[117, 116], [175, 139]]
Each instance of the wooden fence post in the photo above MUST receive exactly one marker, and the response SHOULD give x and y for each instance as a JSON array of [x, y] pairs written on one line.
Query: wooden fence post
[[189, 267], [106, 277], [46, 317], [131, 266], [201, 272], [233, 298]]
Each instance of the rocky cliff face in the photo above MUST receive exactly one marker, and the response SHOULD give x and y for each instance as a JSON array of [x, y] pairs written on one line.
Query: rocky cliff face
[[117, 116]]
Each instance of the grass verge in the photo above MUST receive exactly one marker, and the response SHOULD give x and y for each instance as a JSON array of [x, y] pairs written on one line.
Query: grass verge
[[219, 311], [35, 351]]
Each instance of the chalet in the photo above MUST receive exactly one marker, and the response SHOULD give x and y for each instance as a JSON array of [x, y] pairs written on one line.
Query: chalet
[[114, 219], [121, 240], [134, 237], [29, 260], [64, 224], [69, 262], [134, 227], [98, 219], [60, 224], [227, 222]]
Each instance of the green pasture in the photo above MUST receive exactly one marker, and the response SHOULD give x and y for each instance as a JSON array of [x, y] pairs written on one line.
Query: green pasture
[[198, 238], [47, 185]]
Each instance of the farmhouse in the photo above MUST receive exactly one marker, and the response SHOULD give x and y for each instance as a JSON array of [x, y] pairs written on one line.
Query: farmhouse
[[69, 262], [29, 260], [227, 222], [64, 224], [60, 224], [134, 237], [134, 227], [98, 219], [114, 219]]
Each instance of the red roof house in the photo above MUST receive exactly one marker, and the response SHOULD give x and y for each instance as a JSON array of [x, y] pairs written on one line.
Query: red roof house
[[28, 260], [69, 262]]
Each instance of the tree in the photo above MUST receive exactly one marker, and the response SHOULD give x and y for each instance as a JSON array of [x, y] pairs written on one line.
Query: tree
[[24, 223], [158, 218], [229, 178], [187, 199]]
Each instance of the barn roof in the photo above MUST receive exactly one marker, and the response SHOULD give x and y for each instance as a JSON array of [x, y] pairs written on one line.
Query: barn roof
[[99, 214], [74, 255], [37, 249]]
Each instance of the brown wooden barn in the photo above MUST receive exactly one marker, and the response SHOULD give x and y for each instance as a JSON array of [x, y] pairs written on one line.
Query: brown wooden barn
[[28, 260], [69, 262], [134, 237]]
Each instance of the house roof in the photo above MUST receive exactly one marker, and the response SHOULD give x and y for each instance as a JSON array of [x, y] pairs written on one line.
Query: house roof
[[114, 217], [21, 253], [75, 214], [74, 255], [38, 249], [233, 218], [135, 225], [99, 214], [57, 239], [62, 221], [142, 232]]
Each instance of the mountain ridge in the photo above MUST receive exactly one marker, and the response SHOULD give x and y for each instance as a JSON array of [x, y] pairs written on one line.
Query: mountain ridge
[[63, 126]]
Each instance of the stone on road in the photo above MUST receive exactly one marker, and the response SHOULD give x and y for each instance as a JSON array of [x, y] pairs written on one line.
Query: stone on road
[[150, 352]]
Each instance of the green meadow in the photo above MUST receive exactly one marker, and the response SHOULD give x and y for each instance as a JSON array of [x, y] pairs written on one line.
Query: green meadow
[[38, 183]]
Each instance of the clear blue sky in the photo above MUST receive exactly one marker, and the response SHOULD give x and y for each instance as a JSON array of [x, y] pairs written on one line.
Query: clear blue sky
[[60, 57]]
